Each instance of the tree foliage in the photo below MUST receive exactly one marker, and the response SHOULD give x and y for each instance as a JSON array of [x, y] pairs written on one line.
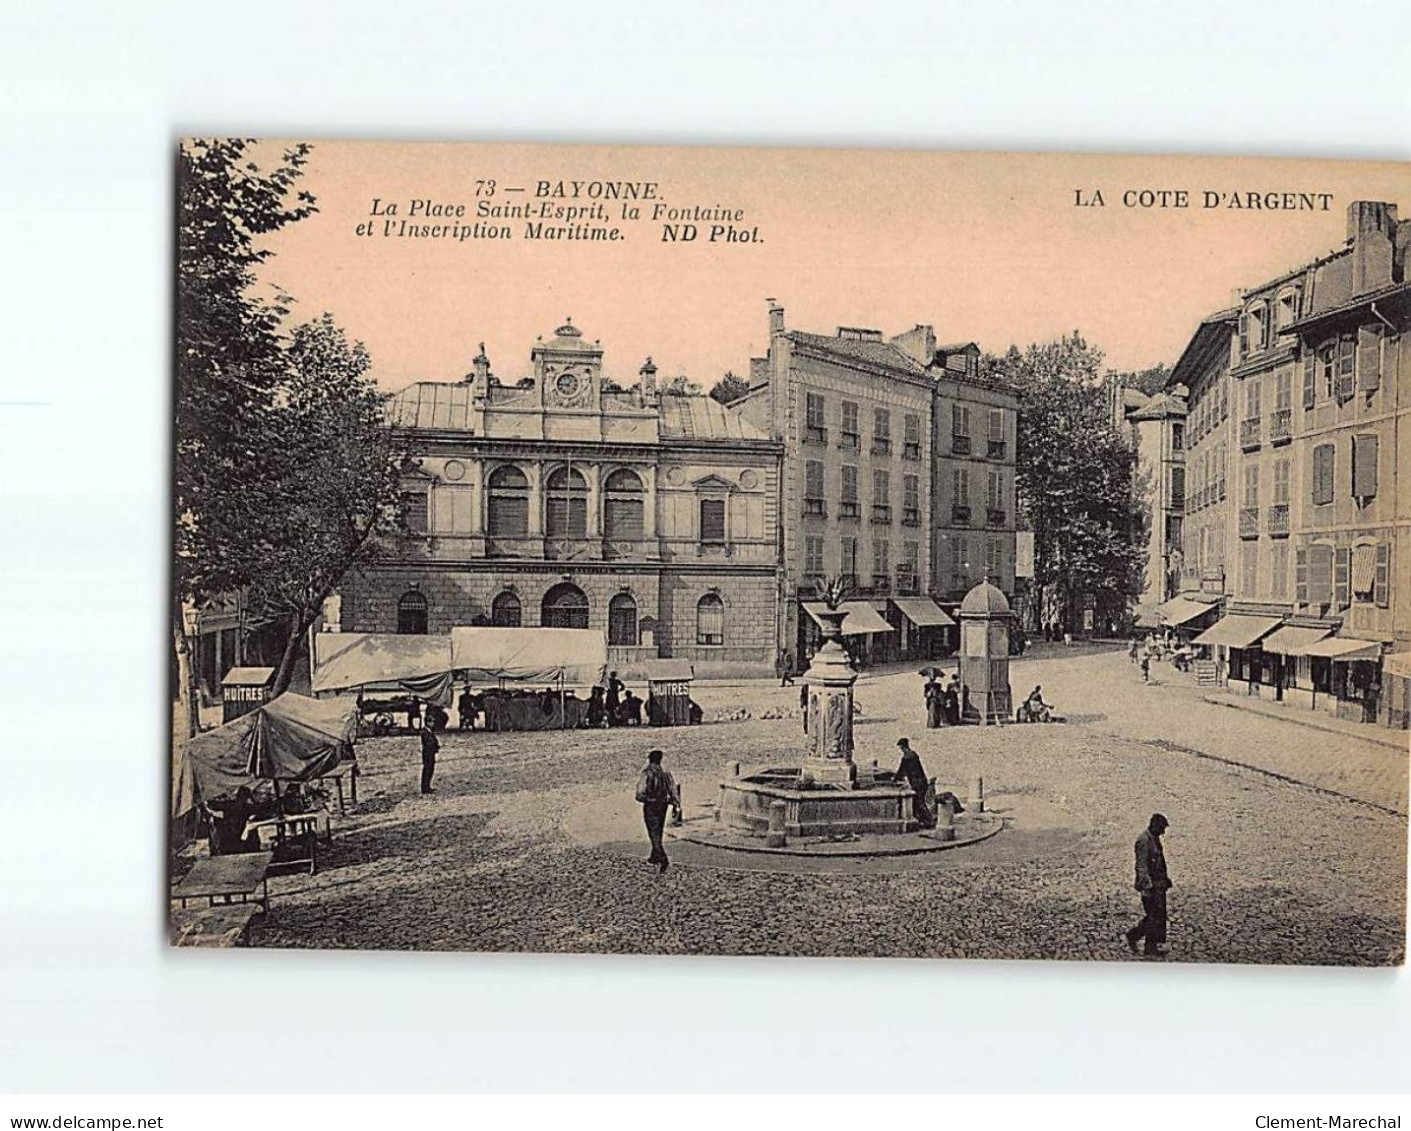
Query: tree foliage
[[1075, 477], [229, 357], [680, 386], [335, 488], [729, 388]]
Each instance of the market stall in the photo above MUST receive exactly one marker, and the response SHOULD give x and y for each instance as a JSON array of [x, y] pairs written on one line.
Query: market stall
[[533, 676], [393, 674], [669, 693]]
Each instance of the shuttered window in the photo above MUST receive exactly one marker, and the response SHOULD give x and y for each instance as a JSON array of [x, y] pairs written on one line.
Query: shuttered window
[[1364, 561], [1322, 470], [1381, 583], [1364, 467], [1300, 577], [713, 520], [1347, 356], [1320, 575], [1369, 358], [1342, 578], [1310, 378]]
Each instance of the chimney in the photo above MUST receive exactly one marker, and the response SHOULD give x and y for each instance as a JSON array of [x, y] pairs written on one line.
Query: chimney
[[776, 318], [480, 369], [918, 343], [648, 374], [1371, 230]]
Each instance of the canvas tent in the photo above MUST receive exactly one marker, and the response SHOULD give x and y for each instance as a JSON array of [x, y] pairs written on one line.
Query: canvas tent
[[290, 738], [384, 661], [543, 656]]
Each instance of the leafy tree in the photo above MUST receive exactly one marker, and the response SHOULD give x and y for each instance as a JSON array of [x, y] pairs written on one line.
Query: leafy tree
[[229, 363], [338, 477], [1075, 478], [729, 388], [1149, 381], [680, 386]]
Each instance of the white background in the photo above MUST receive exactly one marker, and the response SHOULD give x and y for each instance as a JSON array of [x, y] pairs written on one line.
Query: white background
[[91, 97]]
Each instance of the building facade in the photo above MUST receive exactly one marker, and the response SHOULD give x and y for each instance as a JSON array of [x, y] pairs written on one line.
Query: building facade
[[1316, 529], [565, 499], [1155, 428], [898, 476]]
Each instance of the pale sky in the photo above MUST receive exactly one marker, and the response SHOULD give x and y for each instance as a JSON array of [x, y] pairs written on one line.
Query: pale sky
[[986, 247]]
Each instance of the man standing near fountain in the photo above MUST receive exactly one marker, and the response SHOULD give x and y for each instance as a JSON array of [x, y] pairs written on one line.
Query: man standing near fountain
[[914, 774], [656, 790]]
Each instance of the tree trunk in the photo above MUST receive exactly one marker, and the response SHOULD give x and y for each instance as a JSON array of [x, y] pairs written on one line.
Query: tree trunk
[[187, 688], [285, 672]]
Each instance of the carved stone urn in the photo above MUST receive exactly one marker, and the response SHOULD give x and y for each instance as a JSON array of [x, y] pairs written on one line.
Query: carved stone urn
[[828, 759]]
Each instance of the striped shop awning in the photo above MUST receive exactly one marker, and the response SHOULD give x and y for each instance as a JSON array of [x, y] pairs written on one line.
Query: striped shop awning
[[1345, 648], [862, 618], [1237, 631]]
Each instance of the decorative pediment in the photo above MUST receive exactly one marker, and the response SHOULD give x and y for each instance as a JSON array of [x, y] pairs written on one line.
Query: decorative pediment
[[713, 482]]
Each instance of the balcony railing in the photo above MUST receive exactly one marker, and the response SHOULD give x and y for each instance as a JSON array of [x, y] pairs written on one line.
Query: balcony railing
[[881, 445], [911, 449], [881, 583], [849, 440], [959, 445], [994, 516], [959, 514], [1249, 433], [996, 449], [1281, 426], [906, 580], [815, 434], [910, 516], [881, 514], [1279, 520], [1249, 522], [815, 507], [848, 510]]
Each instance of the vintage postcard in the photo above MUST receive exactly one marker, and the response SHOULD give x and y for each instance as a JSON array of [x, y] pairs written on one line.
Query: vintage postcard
[[788, 552]]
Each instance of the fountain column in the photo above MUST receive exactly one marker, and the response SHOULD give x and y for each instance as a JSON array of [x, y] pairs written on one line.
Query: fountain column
[[830, 679]]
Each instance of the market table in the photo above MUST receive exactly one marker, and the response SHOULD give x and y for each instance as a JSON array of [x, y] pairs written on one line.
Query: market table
[[225, 877], [290, 829], [223, 926], [343, 770]]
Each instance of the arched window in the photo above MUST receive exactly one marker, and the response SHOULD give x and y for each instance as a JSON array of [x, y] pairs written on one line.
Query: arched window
[[622, 506], [567, 512], [505, 611], [508, 511], [411, 614], [710, 620], [622, 620], [565, 606]]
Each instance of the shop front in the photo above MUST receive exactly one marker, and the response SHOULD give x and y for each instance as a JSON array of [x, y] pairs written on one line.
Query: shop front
[[1346, 674], [1233, 643]]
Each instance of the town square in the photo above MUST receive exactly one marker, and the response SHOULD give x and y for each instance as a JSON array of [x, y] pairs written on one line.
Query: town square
[[800, 639]]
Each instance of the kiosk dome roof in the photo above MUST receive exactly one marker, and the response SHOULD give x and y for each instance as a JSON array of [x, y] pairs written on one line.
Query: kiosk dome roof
[[984, 598]]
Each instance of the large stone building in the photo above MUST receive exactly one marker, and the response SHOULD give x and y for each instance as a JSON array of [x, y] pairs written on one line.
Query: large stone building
[[1155, 428], [564, 499], [1314, 434], [898, 476]]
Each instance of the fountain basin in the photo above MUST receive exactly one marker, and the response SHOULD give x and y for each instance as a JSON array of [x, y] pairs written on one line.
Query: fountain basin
[[814, 809]]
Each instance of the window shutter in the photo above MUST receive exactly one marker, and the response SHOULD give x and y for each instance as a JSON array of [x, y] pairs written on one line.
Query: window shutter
[[1310, 378], [1342, 577], [1364, 467], [1323, 474], [1244, 335], [1320, 575], [1369, 358], [1381, 587], [1347, 355], [1300, 573]]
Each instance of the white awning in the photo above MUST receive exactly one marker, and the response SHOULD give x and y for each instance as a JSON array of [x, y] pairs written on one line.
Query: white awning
[[862, 618], [1179, 610], [1293, 640], [922, 612], [578, 656], [1238, 631], [1345, 648]]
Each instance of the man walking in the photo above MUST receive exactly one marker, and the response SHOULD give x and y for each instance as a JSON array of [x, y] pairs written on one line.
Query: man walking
[[786, 670], [1153, 883], [429, 747], [657, 792]]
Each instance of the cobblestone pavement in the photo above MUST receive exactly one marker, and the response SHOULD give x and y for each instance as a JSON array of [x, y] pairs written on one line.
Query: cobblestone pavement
[[1284, 846]]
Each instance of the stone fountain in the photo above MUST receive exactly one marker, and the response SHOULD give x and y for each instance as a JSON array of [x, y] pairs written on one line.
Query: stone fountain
[[828, 793]]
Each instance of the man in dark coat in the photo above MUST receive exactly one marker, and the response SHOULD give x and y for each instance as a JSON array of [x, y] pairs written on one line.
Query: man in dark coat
[[657, 792], [429, 747], [913, 773], [1153, 883], [950, 701], [614, 700]]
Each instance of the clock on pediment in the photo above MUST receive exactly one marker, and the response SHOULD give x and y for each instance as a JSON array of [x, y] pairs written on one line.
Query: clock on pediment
[[569, 388]]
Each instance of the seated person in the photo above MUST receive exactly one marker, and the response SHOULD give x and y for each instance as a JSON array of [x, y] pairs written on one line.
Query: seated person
[[1036, 709]]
